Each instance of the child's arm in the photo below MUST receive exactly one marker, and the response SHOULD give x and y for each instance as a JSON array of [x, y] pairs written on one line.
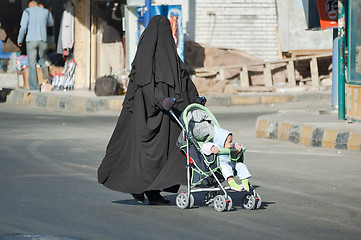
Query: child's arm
[[209, 148], [239, 147]]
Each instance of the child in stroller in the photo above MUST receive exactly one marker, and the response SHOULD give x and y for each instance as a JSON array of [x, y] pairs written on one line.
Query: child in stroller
[[224, 139], [204, 172]]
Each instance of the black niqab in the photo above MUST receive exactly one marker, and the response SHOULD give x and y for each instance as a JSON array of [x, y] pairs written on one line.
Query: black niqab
[[142, 154]]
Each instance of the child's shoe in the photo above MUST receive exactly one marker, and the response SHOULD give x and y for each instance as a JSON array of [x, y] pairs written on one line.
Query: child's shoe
[[245, 184], [234, 186]]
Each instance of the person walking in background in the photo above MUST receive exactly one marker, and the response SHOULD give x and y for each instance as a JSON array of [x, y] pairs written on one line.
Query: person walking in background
[[33, 24], [112, 45]]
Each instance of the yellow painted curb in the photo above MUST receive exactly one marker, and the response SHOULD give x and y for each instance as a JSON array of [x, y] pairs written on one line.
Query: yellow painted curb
[[115, 104], [354, 142], [261, 128], [245, 100], [27, 99], [53, 102], [284, 131], [329, 138], [79, 105], [275, 99], [306, 135]]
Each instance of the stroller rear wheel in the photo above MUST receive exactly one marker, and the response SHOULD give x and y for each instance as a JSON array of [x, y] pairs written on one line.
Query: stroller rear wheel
[[183, 201]]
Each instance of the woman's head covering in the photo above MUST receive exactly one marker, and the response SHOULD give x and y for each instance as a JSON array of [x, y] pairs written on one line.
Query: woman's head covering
[[157, 56]]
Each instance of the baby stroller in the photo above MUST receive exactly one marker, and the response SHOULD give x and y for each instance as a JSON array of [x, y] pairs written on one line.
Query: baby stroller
[[203, 172]]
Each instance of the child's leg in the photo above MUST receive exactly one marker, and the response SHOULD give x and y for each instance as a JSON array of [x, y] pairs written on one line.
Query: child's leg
[[243, 174], [227, 172]]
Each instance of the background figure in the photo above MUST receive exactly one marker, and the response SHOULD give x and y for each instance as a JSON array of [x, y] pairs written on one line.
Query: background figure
[[33, 24], [66, 33], [142, 156], [112, 45]]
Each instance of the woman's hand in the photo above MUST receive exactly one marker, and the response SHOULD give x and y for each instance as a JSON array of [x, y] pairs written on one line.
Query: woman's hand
[[201, 100], [168, 103]]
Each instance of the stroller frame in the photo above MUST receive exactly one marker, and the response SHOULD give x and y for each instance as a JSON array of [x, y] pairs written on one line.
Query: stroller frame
[[251, 200]]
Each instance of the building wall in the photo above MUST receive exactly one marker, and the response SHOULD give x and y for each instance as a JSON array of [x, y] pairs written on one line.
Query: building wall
[[292, 29], [247, 25], [262, 28]]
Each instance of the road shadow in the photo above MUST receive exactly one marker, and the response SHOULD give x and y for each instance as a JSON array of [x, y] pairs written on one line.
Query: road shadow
[[199, 200]]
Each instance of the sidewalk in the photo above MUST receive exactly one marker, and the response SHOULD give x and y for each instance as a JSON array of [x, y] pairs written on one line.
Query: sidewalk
[[309, 128]]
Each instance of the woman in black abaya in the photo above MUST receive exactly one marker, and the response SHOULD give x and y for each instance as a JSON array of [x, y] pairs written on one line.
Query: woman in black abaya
[[142, 156]]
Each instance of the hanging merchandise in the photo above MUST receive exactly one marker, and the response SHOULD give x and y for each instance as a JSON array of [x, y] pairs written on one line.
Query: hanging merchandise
[[66, 34], [65, 81]]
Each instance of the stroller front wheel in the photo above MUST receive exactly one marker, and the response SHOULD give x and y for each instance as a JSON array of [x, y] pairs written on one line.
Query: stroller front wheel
[[249, 202], [220, 203]]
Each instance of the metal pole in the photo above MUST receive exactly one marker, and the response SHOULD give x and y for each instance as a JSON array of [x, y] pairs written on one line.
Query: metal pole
[[341, 59], [335, 69], [148, 12]]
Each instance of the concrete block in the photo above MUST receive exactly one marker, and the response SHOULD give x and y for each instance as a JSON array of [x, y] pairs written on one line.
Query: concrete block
[[115, 104], [284, 131], [262, 128], [246, 100], [27, 99], [317, 136], [11, 98], [329, 139], [79, 105], [90, 106], [53, 102], [305, 136], [40, 100], [62, 102], [276, 99], [294, 135], [341, 140], [272, 131], [101, 105], [354, 142]]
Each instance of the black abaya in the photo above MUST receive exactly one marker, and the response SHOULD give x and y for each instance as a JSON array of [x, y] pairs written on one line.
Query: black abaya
[[142, 154]]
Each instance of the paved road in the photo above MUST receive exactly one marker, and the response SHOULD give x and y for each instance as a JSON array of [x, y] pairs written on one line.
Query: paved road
[[48, 184]]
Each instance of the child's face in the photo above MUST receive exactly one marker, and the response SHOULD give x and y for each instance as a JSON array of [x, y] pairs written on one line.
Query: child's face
[[228, 143]]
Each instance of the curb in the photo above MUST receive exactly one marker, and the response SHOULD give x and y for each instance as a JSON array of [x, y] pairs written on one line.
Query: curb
[[308, 135], [67, 101]]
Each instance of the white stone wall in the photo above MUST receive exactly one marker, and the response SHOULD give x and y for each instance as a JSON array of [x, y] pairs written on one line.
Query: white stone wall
[[247, 25]]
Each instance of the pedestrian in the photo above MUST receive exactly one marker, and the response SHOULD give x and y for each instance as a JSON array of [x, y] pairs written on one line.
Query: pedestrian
[[112, 41], [33, 24], [142, 157]]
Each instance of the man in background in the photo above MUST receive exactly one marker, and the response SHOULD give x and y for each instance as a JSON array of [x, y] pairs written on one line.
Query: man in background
[[33, 24], [112, 46]]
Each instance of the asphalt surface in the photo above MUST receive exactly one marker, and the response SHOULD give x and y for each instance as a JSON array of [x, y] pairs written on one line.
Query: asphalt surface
[[48, 185]]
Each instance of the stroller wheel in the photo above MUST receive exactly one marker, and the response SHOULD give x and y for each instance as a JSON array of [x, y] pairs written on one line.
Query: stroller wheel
[[220, 203], [248, 202], [209, 198], [183, 201], [229, 203], [258, 201], [191, 201]]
